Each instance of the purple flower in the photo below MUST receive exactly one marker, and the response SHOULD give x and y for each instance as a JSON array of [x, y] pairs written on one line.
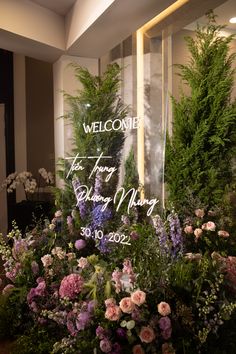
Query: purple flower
[[91, 306], [98, 184], [83, 320], [121, 332], [164, 323], [99, 216], [167, 333], [103, 245], [80, 244], [101, 332], [116, 349], [136, 316], [70, 323], [134, 235], [161, 233], [175, 234]]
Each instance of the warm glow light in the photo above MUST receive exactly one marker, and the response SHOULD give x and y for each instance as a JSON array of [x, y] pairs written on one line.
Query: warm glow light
[[140, 83], [232, 20]]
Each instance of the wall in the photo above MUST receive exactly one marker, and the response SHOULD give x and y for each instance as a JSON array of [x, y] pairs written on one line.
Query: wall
[[39, 115]]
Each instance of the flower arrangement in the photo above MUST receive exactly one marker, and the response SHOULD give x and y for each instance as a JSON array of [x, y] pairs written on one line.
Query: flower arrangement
[[26, 179], [95, 302]]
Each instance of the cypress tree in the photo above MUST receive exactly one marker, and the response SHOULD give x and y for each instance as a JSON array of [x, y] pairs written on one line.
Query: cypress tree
[[199, 152]]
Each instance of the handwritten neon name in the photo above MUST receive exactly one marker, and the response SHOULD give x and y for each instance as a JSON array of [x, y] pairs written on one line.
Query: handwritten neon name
[[84, 193]]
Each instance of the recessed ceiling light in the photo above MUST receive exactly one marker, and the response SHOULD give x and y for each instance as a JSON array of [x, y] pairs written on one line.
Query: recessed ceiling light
[[232, 20]]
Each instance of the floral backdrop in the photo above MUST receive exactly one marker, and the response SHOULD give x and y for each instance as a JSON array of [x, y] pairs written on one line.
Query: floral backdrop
[[97, 279]]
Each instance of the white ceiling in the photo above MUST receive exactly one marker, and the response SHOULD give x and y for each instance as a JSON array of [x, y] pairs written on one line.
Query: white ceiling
[[223, 13], [61, 7]]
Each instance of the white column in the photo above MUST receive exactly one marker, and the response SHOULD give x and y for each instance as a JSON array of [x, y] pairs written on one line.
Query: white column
[[64, 80], [20, 119]]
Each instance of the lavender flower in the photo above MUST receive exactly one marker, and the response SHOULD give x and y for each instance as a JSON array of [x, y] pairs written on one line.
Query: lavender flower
[[99, 216], [83, 320], [103, 245], [97, 184], [161, 233], [80, 203], [175, 234]]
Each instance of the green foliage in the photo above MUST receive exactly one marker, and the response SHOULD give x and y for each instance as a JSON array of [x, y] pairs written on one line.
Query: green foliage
[[199, 153], [97, 101]]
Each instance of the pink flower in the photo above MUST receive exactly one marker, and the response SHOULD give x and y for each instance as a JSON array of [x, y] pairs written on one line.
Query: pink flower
[[105, 345], [7, 290], [223, 233], [126, 305], [138, 297], [47, 260], [163, 308], [137, 349], [110, 302], [146, 334], [113, 313], [209, 226], [58, 214], [198, 232], [188, 229], [71, 285], [82, 262], [199, 213]]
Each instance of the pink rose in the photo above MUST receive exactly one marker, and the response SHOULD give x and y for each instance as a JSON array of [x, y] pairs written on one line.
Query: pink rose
[[138, 297], [82, 262], [113, 313], [163, 308], [223, 233], [146, 334], [198, 232], [209, 226], [188, 229], [199, 213], [126, 305], [110, 302], [137, 349]]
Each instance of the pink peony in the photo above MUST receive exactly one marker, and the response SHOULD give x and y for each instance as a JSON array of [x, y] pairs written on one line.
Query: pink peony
[[138, 297], [223, 233], [113, 313], [126, 305], [147, 334], [137, 349], [199, 213], [105, 345], [198, 232], [71, 285], [209, 226], [163, 308]]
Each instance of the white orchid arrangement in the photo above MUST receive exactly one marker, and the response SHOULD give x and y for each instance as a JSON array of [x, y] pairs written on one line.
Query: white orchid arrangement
[[26, 179]]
